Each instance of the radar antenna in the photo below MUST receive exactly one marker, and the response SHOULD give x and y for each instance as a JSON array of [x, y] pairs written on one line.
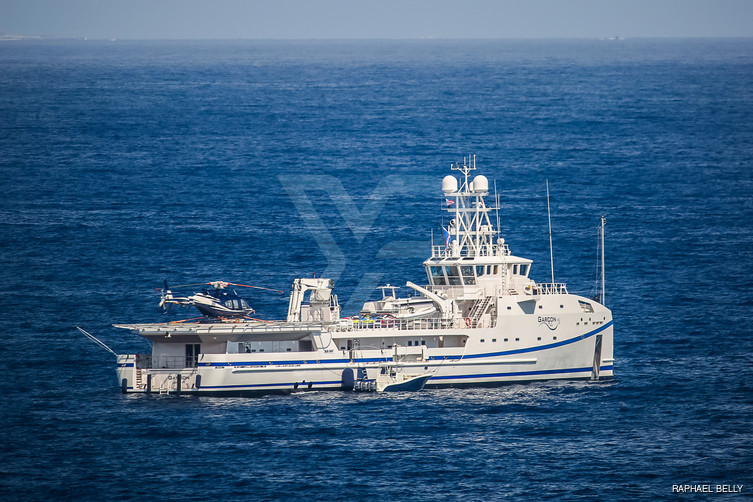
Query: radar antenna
[[469, 164], [549, 217]]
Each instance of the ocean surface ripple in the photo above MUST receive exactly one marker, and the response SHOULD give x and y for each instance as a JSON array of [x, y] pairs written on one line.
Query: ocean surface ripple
[[126, 162]]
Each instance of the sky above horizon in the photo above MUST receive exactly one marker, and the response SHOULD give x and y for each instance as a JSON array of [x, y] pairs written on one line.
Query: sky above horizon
[[385, 19]]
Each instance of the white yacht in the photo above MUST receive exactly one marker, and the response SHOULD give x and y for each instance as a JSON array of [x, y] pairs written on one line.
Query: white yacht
[[479, 321]]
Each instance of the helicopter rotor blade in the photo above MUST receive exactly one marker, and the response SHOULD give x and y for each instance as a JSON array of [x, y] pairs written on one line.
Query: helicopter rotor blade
[[167, 300], [216, 285], [255, 287], [192, 285]]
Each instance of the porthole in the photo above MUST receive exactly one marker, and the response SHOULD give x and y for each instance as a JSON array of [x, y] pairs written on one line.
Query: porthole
[[517, 339], [505, 339], [494, 340]]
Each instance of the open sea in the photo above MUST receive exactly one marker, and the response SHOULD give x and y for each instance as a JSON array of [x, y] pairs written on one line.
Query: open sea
[[126, 162]]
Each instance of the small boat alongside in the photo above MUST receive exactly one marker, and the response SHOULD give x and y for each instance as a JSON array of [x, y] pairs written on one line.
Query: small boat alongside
[[391, 376], [392, 380]]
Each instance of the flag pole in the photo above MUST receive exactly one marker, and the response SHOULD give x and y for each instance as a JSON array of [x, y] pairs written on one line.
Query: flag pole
[[549, 215]]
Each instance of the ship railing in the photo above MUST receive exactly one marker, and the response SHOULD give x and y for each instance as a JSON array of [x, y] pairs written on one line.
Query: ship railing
[[453, 291], [143, 361], [550, 288], [360, 324], [485, 250], [176, 362]]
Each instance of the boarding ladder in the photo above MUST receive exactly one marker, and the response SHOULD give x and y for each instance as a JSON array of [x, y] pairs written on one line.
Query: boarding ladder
[[478, 309], [165, 386], [138, 377]]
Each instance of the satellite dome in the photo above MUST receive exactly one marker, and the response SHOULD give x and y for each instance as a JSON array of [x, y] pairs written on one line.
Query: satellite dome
[[449, 184], [480, 184]]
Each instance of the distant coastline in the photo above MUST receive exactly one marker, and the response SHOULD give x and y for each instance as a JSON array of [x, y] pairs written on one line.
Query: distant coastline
[[4, 36]]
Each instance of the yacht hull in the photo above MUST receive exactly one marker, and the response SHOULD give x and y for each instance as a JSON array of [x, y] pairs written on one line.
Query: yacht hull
[[574, 357]]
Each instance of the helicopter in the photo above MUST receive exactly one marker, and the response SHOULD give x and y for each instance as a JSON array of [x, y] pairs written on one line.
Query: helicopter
[[217, 302]]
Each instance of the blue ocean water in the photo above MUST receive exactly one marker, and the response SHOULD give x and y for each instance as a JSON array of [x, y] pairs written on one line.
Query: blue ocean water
[[258, 162]]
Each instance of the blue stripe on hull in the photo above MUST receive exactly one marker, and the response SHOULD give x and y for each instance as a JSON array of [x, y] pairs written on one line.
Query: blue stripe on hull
[[277, 385], [431, 358], [519, 373], [528, 349]]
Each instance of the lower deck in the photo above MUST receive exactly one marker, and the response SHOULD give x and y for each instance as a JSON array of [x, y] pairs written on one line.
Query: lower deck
[[482, 358]]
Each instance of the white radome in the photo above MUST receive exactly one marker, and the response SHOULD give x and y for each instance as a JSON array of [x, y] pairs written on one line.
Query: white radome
[[449, 184], [480, 184]]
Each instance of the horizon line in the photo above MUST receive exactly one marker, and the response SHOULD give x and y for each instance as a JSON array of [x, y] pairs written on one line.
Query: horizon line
[[18, 38]]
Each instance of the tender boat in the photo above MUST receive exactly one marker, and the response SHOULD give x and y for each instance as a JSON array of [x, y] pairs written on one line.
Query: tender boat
[[392, 379], [391, 376], [480, 320]]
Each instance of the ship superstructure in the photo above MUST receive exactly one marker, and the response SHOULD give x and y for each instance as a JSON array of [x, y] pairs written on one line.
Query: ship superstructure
[[479, 320]]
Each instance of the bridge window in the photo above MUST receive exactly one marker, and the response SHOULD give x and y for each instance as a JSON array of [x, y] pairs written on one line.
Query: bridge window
[[453, 277], [480, 270], [437, 275], [467, 273], [514, 270], [524, 270]]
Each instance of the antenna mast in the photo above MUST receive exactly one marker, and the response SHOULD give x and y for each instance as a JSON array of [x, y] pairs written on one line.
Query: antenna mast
[[549, 215], [496, 204], [603, 292]]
